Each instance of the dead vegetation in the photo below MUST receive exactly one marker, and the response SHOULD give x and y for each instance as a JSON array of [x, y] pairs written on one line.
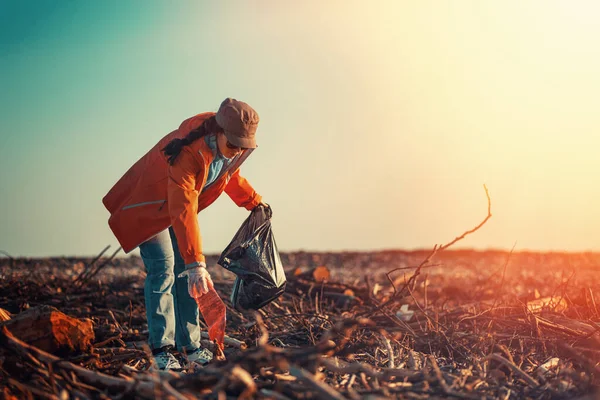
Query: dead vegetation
[[471, 330], [398, 324]]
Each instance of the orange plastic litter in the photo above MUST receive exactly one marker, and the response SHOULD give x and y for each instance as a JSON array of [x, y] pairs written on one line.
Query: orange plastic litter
[[214, 312]]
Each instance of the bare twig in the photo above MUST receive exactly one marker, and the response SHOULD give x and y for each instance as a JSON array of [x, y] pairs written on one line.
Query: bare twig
[[390, 351], [412, 280], [88, 267], [91, 377], [229, 341], [324, 391], [513, 367]]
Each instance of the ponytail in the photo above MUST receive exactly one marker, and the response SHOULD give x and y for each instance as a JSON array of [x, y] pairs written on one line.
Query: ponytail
[[173, 148]]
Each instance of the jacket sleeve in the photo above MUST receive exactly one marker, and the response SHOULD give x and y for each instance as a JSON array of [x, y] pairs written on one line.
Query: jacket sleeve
[[183, 205], [241, 192]]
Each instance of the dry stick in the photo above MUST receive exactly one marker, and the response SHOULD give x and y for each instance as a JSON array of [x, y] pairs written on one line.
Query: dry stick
[[24, 388], [503, 276], [425, 284], [436, 324], [438, 374], [229, 341], [52, 379], [34, 360], [99, 267], [501, 285], [273, 394], [264, 333], [104, 342], [324, 391], [76, 394], [418, 268], [489, 215], [112, 315], [430, 322], [167, 387], [588, 364], [513, 367], [351, 381], [592, 333], [593, 301], [363, 380], [130, 312], [390, 351], [12, 260], [435, 250], [82, 385], [564, 294], [456, 239], [393, 318], [358, 367], [243, 376], [89, 266], [368, 285], [7, 255], [447, 390], [415, 266], [561, 328], [113, 351], [144, 389]]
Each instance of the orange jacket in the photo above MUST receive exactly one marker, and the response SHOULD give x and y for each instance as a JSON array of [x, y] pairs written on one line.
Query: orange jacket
[[153, 195]]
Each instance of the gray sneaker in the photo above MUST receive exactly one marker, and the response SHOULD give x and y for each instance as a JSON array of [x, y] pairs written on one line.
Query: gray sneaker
[[165, 361], [200, 356]]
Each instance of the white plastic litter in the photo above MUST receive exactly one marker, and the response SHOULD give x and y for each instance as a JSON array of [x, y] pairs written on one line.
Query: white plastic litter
[[404, 313]]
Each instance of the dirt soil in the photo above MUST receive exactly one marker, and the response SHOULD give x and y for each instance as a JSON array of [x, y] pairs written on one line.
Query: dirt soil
[[469, 324]]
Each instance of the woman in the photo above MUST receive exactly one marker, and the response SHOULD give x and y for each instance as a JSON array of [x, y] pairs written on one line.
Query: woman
[[155, 206]]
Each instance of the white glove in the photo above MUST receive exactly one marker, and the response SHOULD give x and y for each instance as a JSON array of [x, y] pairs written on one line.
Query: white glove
[[199, 281]]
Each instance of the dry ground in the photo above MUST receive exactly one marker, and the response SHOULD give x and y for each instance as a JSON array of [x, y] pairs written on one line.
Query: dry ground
[[484, 325]]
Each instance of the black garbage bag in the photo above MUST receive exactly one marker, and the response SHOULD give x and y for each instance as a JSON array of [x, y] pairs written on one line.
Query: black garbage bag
[[253, 256]]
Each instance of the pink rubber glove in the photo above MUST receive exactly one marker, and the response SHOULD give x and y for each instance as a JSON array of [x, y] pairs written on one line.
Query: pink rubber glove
[[199, 281]]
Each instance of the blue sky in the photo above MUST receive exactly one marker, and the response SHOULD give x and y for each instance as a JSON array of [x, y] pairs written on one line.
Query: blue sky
[[379, 123]]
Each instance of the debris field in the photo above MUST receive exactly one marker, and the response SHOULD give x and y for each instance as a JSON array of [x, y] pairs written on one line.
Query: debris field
[[388, 324]]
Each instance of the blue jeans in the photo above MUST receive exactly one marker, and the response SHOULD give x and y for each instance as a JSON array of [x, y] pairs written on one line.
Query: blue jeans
[[171, 312]]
